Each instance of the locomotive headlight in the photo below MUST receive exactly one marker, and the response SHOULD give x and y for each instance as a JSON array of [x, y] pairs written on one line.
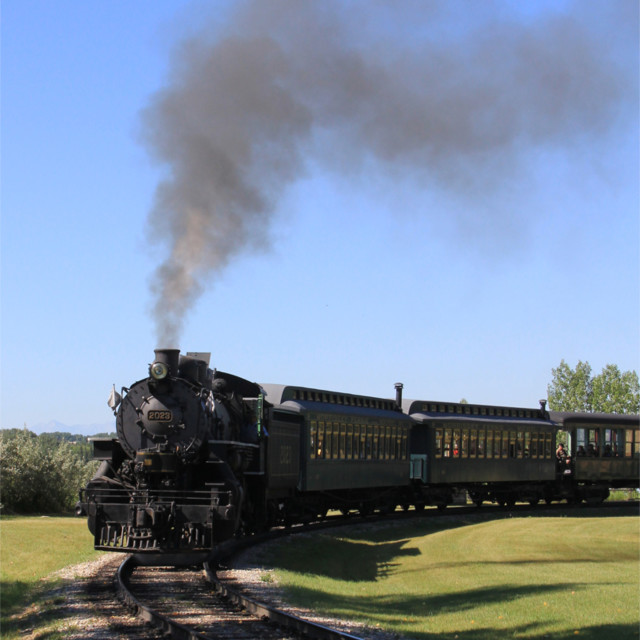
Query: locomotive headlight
[[159, 370]]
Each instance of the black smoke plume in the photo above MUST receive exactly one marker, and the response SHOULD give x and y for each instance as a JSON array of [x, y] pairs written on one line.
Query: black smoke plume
[[453, 97]]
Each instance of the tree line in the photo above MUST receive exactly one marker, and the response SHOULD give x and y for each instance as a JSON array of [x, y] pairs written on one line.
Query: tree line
[[43, 474], [611, 391]]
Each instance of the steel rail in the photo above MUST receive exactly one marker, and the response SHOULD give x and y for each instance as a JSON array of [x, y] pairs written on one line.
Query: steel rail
[[286, 620], [166, 624], [258, 609]]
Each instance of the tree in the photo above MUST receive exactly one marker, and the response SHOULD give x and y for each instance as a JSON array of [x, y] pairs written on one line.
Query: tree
[[570, 389], [577, 390], [40, 474], [615, 392]]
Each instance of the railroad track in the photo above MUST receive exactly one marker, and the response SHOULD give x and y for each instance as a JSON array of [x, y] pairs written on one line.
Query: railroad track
[[181, 603], [189, 603], [196, 604]]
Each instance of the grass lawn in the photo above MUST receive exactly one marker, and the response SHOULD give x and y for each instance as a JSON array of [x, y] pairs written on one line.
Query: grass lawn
[[31, 548], [535, 577]]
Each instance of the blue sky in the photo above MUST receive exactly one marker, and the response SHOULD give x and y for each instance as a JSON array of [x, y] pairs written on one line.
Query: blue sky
[[470, 278]]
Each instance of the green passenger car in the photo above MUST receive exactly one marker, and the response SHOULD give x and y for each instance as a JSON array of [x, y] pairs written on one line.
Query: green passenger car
[[347, 442], [499, 454], [604, 450]]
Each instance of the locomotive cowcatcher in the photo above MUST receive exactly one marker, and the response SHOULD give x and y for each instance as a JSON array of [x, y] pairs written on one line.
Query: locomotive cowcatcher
[[188, 459]]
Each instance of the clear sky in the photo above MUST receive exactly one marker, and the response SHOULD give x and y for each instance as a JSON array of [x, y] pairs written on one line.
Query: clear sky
[[442, 194]]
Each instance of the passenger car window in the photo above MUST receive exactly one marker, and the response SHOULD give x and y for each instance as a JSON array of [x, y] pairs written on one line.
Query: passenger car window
[[438, 443], [447, 443]]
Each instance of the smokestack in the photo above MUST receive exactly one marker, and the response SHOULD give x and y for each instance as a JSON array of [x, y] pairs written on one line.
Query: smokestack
[[399, 386], [170, 357]]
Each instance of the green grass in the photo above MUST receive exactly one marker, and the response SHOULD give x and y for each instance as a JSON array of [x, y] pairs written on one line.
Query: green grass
[[623, 495], [31, 548], [515, 577]]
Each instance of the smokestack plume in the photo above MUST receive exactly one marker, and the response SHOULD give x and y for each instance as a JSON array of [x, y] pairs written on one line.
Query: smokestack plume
[[287, 81]]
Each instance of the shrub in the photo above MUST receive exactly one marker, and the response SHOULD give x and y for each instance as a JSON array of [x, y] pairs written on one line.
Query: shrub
[[40, 475]]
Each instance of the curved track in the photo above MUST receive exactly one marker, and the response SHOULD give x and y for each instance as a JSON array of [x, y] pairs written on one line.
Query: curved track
[[180, 603], [184, 604]]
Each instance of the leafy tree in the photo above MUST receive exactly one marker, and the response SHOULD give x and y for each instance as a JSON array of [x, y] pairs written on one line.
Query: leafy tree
[[571, 388], [615, 392], [40, 474], [577, 390]]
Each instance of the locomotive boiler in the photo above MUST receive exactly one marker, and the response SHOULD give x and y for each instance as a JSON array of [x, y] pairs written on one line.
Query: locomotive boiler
[[173, 480]]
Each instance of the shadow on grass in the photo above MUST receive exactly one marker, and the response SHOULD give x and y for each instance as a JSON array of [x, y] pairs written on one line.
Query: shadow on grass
[[13, 596], [375, 532], [43, 610], [534, 631], [404, 607], [399, 610], [602, 632], [583, 510], [367, 555], [16, 598], [348, 560], [425, 525], [362, 555]]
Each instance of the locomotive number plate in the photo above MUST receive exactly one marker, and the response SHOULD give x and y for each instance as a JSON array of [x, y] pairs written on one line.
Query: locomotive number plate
[[160, 416]]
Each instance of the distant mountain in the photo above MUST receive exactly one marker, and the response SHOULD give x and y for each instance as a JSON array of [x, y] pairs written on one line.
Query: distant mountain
[[54, 426]]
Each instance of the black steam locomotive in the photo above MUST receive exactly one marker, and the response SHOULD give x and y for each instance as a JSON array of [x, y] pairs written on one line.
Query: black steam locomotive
[[203, 455]]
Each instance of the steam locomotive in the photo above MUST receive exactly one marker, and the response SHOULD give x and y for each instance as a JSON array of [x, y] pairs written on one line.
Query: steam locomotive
[[202, 455]]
